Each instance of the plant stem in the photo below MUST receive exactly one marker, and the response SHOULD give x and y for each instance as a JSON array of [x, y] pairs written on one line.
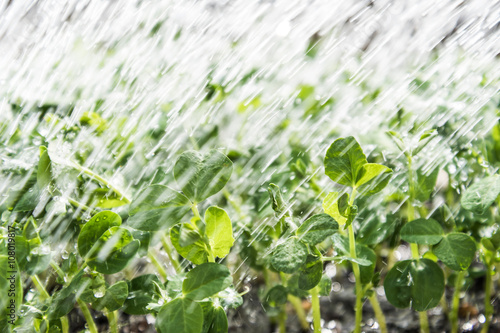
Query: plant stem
[[65, 324], [299, 310], [113, 321], [456, 302], [58, 270], [488, 308], [282, 320], [158, 266], [316, 310], [356, 271], [196, 213], [102, 181], [88, 316], [168, 249], [78, 204], [379, 315], [41, 289], [424, 322]]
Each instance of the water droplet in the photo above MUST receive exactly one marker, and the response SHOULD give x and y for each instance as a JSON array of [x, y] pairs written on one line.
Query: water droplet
[[99, 294]]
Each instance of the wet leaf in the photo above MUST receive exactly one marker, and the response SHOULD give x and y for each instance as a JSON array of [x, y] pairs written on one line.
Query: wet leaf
[[415, 283], [141, 293], [481, 195], [330, 206], [276, 296], [195, 252], [289, 256], [181, 315], [310, 273], [456, 250], [317, 228], [202, 175], [372, 178], [157, 207], [343, 161], [219, 231], [422, 231], [95, 228], [114, 297], [206, 280]]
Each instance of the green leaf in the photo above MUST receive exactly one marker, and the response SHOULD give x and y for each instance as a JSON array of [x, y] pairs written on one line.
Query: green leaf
[[44, 171], [276, 296], [456, 250], [365, 257], [289, 256], [64, 300], [330, 206], [277, 202], [157, 207], [106, 198], [343, 160], [422, 231], [373, 178], [398, 140], [426, 181], [325, 285], [112, 251], [416, 283], [202, 175], [480, 195], [95, 228], [144, 238], [181, 315], [141, 293], [369, 171], [317, 228], [114, 297], [424, 140], [219, 231], [310, 273], [196, 252], [206, 280], [219, 321]]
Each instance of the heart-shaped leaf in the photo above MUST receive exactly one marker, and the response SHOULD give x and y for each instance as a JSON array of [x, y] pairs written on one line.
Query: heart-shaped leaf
[[456, 250]]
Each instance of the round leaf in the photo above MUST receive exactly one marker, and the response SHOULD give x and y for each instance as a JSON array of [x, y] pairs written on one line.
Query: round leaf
[[415, 283], [276, 296], [422, 231], [181, 315], [456, 250], [95, 228], [480, 195], [317, 228], [289, 256], [206, 280]]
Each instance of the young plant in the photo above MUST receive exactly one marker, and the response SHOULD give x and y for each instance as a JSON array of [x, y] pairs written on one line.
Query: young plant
[[346, 164]]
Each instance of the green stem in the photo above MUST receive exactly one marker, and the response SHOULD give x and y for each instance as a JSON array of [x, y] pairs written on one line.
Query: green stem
[[88, 316], [58, 270], [80, 205], [299, 310], [316, 310], [158, 266], [424, 322], [168, 249], [488, 308], [113, 321], [282, 320], [41, 289], [196, 213], [356, 271], [102, 181], [379, 315], [456, 302], [65, 324]]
